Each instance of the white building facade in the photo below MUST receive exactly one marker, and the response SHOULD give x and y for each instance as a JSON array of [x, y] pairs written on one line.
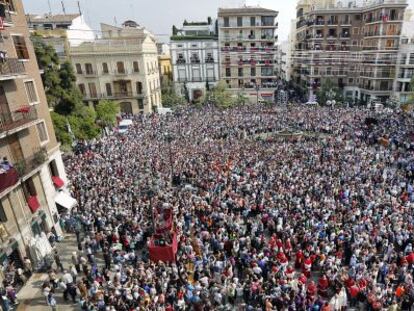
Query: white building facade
[[121, 66], [194, 56], [405, 61]]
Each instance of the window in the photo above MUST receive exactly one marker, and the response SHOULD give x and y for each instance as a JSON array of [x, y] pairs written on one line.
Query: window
[[21, 48], [105, 68], [140, 103], [9, 5], [88, 69], [29, 188], [139, 88], [136, 67], [108, 88], [239, 21], [252, 21], [253, 72], [240, 72], [53, 168], [82, 89], [41, 130], [92, 90], [228, 72], [411, 58], [120, 66], [226, 22], [78, 69], [3, 217], [31, 91]]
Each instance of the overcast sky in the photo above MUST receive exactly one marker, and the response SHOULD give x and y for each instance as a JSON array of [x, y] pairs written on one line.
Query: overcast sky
[[159, 15]]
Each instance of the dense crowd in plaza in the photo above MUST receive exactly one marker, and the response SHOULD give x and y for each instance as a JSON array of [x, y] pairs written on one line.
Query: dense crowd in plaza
[[321, 220]]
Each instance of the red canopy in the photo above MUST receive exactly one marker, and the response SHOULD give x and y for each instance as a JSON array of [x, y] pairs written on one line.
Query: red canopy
[[33, 203], [57, 181]]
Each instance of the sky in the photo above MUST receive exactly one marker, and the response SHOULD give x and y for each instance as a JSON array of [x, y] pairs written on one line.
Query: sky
[[158, 16]]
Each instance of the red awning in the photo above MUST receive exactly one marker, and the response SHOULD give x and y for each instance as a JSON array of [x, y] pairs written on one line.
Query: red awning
[[33, 203], [57, 181], [24, 109]]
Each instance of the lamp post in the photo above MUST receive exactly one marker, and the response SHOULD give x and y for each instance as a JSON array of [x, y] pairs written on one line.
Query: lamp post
[[169, 138], [257, 93], [331, 95]]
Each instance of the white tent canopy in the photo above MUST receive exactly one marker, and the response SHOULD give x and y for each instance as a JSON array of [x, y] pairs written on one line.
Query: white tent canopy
[[65, 200]]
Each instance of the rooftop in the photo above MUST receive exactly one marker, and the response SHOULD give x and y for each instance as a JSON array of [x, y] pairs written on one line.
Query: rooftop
[[246, 10], [58, 18]]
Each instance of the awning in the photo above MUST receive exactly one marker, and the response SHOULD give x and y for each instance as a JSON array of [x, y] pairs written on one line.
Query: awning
[[65, 200], [33, 203], [57, 181]]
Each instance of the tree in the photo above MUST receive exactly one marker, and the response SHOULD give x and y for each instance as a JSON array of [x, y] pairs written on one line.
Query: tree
[[242, 99], [221, 97], [82, 122], [169, 97], [329, 92], [106, 112], [174, 30], [60, 124]]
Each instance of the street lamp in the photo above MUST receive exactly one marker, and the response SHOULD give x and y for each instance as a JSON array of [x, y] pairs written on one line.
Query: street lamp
[[169, 139], [257, 93]]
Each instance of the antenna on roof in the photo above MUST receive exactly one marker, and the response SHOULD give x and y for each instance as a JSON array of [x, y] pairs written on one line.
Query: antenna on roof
[[79, 7], [50, 7], [63, 8]]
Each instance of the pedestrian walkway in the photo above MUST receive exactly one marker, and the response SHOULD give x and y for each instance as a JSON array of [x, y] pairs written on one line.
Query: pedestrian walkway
[[31, 297]]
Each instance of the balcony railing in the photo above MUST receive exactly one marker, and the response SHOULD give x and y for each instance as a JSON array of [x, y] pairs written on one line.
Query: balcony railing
[[210, 60], [195, 61], [20, 117], [180, 61], [90, 73], [26, 165], [119, 94], [11, 67], [121, 72]]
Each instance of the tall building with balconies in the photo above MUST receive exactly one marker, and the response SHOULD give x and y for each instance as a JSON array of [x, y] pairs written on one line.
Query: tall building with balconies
[[248, 51], [32, 175], [353, 45], [121, 66], [194, 54], [405, 61]]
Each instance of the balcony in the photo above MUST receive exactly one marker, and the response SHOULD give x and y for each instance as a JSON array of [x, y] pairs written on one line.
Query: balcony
[[127, 94], [27, 165], [11, 68], [195, 61], [123, 72], [7, 18], [91, 74], [19, 118], [209, 60], [180, 61]]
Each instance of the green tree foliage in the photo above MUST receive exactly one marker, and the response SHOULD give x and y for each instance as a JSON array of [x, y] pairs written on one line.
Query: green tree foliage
[[83, 123], [169, 97], [61, 130], [221, 96], [329, 92], [106, 112], [63, 96]]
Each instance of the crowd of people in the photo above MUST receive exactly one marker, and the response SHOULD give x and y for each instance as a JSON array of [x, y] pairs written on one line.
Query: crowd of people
[[265, 220]]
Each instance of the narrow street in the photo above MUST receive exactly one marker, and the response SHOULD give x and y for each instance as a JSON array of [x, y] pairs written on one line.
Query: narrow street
[[30, 296]]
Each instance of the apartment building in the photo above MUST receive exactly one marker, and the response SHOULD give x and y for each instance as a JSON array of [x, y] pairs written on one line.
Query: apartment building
[[352, 44], [60, 30], [32, 175], [248, 51], [121, 66], [283, 61], [405, 61], [194, 55]]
